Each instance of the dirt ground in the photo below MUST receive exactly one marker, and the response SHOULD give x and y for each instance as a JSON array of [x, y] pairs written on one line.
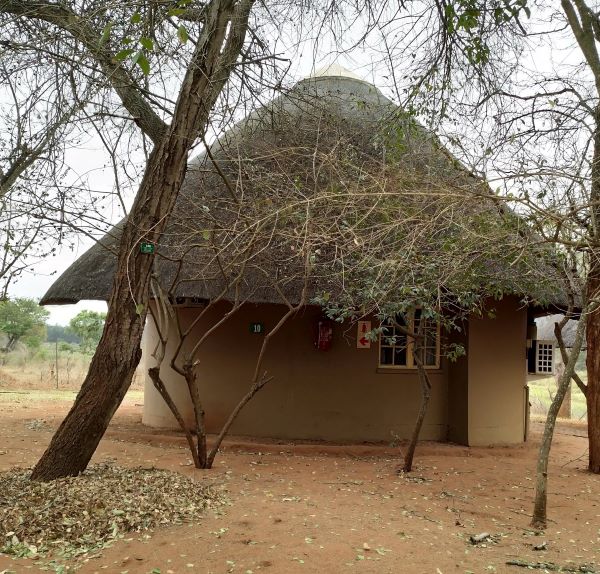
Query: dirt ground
[[297, 508]]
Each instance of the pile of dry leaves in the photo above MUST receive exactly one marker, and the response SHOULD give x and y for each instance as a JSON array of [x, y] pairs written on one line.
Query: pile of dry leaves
[[73, 516]]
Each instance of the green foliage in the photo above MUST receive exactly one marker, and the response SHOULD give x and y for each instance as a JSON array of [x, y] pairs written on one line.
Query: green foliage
[[462, 14], [35, 337], [20, 318], [182, 34], [88, 326], [140, 33], [466, 21], [454, 351], [41, 354], [106, 34], [142, 62], [147, 43], [65, 347], [18, 549], [61, 333], [124, 54]]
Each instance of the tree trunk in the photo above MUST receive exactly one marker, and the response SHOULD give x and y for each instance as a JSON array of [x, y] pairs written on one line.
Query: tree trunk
[[154, 374], [425, 396], [593, 317], [10, 344], [194, 390], [541, 486], [118, 352], [583, 23], [565, 409], [593, 370]]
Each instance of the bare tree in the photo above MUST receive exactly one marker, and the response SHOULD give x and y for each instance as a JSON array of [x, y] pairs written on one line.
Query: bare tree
[[186, 363], [539, 519], [35, 115], [221, 37], [530, 122], [520, 114]]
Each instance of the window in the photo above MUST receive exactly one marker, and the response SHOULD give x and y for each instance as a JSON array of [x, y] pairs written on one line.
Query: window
[[544, 357], [396, 349]]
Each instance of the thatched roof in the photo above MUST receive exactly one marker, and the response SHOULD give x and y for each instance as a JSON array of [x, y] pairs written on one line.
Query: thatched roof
[[333, 146], [545, 330]]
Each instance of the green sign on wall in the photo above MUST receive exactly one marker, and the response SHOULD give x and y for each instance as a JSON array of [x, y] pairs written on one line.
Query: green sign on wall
[[147, 247]]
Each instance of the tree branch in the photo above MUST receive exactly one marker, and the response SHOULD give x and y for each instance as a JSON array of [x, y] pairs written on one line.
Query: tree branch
[[584, 34], [125, 86]]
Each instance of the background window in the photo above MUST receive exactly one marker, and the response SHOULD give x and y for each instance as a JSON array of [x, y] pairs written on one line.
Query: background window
[[544, 357]]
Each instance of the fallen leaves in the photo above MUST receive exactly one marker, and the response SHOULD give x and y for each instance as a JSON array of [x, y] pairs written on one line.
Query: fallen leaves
[[551, 566], [77, 515], [36, 424]]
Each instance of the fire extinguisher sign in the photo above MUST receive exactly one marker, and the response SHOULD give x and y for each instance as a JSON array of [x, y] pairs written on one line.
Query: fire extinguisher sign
[[362, 342]]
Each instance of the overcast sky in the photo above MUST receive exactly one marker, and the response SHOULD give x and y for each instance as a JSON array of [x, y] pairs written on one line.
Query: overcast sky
[[36, 283]]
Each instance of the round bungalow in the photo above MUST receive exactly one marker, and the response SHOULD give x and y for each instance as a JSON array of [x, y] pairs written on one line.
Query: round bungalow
[[332, 202]]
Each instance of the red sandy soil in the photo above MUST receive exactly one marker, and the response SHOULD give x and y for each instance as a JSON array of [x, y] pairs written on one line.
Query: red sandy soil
[[323, 508]]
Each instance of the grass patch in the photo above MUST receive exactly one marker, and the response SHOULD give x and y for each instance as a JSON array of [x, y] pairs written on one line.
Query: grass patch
[[30, 396], [48, 367], [541, 392], [33, 396]]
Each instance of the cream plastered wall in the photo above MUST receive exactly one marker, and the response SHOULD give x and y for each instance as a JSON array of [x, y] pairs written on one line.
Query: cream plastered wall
[[458, 390], [337, 395], [497, 374]]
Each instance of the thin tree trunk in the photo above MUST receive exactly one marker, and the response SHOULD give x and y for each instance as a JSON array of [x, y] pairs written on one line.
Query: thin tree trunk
[[192, 383], [593, 370], [541, 484], [593, 316], [12, 341], [565, 407], [258, 381], [154, 373], [425, 396], [234, 414], [118, 352]]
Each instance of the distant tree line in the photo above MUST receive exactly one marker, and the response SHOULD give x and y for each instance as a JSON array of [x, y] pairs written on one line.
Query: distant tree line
[[60, 333], [23, 320]]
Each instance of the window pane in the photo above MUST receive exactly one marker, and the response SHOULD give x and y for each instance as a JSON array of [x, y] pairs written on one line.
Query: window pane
[[400, 356], [430, 356], [387, 356]]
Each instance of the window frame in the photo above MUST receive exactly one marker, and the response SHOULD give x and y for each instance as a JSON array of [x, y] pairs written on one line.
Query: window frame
[[410, 363]]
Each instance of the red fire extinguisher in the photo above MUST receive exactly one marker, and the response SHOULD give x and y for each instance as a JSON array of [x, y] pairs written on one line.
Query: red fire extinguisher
[[324, 335]]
